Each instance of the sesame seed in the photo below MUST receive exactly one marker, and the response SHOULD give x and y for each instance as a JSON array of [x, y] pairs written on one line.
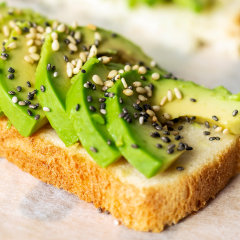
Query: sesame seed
[[193, 100], [127, 68], [156, 108], [97, 80], [178, 94], [150, 113], [124, 82], [37, 117], [169, 95], [92, 52], [46, 109], [30, 42], [112, 74], [163, 101], [11, 92], [142, 70], [103, 111], [167, 116], [140, 90], [153, 63], [35, 56], [55, 45], [215, 118], [128, 92], [137, 84], [42, 88], [141, 120], [10, 76], [134, 146], [32, 49], [97, 36], [61, 28], [77, 107], [155, 76], [72, 47], [179, 168], [218, 129], [234, 113], [93, 149], [6, 31], [105, 59], [225, 131], [12, 45], [142, 98], [21, 103]]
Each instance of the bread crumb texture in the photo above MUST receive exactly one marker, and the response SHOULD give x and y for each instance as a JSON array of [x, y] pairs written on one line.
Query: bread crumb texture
[[139, 203]]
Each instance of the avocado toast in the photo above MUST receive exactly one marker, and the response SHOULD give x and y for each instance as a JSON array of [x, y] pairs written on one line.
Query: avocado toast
[[171, 166]]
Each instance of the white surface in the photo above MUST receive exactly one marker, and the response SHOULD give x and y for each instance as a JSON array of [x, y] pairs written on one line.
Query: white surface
[[30, 209]]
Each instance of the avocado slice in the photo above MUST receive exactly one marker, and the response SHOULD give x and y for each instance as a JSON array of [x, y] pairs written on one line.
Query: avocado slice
[[17, 90], [141, 140], [84, 108], [106, 44], [217, 106]]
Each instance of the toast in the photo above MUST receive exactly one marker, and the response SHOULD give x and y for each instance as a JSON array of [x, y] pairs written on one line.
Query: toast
[[139, 203]]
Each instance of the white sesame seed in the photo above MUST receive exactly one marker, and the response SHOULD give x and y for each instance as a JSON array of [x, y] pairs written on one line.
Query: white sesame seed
[[112, 74], [54, 24], [69, 72], [32, 49], [218, 129], [128, 92], [155, 76], [55, 74], [103, 111], [127, 68], [55, 45], [141, 120], [140, 90], [12, 24], [40, 29], [31, 35], [14, 99], [21, 103], [69, 65], [48, 30], [18, 30], [72, 47], [12, 45], [137, 84], [74, 24], [142, 70], [32, 30], [104, 88], [105, 59], [35, 56], [79, 63], [97, 36], [153, 63], [46, 109], [108, 83], [61, 28], [54, 36], [97, 80], [83, 56], [71, 39], [167, 116], [73, 62], [30, 42], [77, 35], [178, 93], [39, 36], [169, 95], [124, 82], [92, 52], [76, 70], [156, 108], [6, 31], [225, 131], [154, 119], [142, 98], [117, 77], [116, 222], [163, 101], [149, 91], [150, 113], [121, 71], [135, 67], [28, 59], [38, 42]]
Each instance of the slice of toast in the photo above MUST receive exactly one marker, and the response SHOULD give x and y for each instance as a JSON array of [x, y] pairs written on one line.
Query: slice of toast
[[139, 203]]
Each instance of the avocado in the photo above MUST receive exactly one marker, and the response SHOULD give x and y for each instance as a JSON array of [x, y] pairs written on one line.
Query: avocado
[[86, 108], [141, 139], [74, 47], [217, 106], [17, 91]]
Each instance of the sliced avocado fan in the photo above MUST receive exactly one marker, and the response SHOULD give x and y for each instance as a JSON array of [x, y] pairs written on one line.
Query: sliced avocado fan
[[86, 108]]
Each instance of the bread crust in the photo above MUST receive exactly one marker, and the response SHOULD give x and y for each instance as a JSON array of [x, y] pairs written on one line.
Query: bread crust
[[144, 209]]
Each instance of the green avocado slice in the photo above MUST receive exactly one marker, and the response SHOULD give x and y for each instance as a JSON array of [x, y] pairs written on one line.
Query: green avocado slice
[[91, 125], [217, 106], [17, 90], [139, 141]]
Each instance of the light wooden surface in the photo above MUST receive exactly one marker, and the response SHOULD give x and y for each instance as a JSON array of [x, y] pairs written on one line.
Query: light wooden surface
[[30, 209]]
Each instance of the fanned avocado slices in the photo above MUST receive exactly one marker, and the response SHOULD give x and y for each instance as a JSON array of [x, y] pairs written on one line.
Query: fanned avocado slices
[[86, 108], [17, 80], [63, 54], [132, 123]]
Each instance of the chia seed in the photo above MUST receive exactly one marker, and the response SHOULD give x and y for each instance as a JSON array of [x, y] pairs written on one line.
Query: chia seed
[[93, 149], [37, 117], [11, 70], [10, 76], [207, 125], [11, 93], [89, 98], [215, 118], [134, 146], [155, 135], [102, 100], [206, 133], [29, 84], [234, 113], [180, 128], [158, 145], [166, 139], [29, 112], [77, 107], [92, 108], [42, 88], [19, 88], [179, 168], [83, 71], [193, 100], [49, 67]]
